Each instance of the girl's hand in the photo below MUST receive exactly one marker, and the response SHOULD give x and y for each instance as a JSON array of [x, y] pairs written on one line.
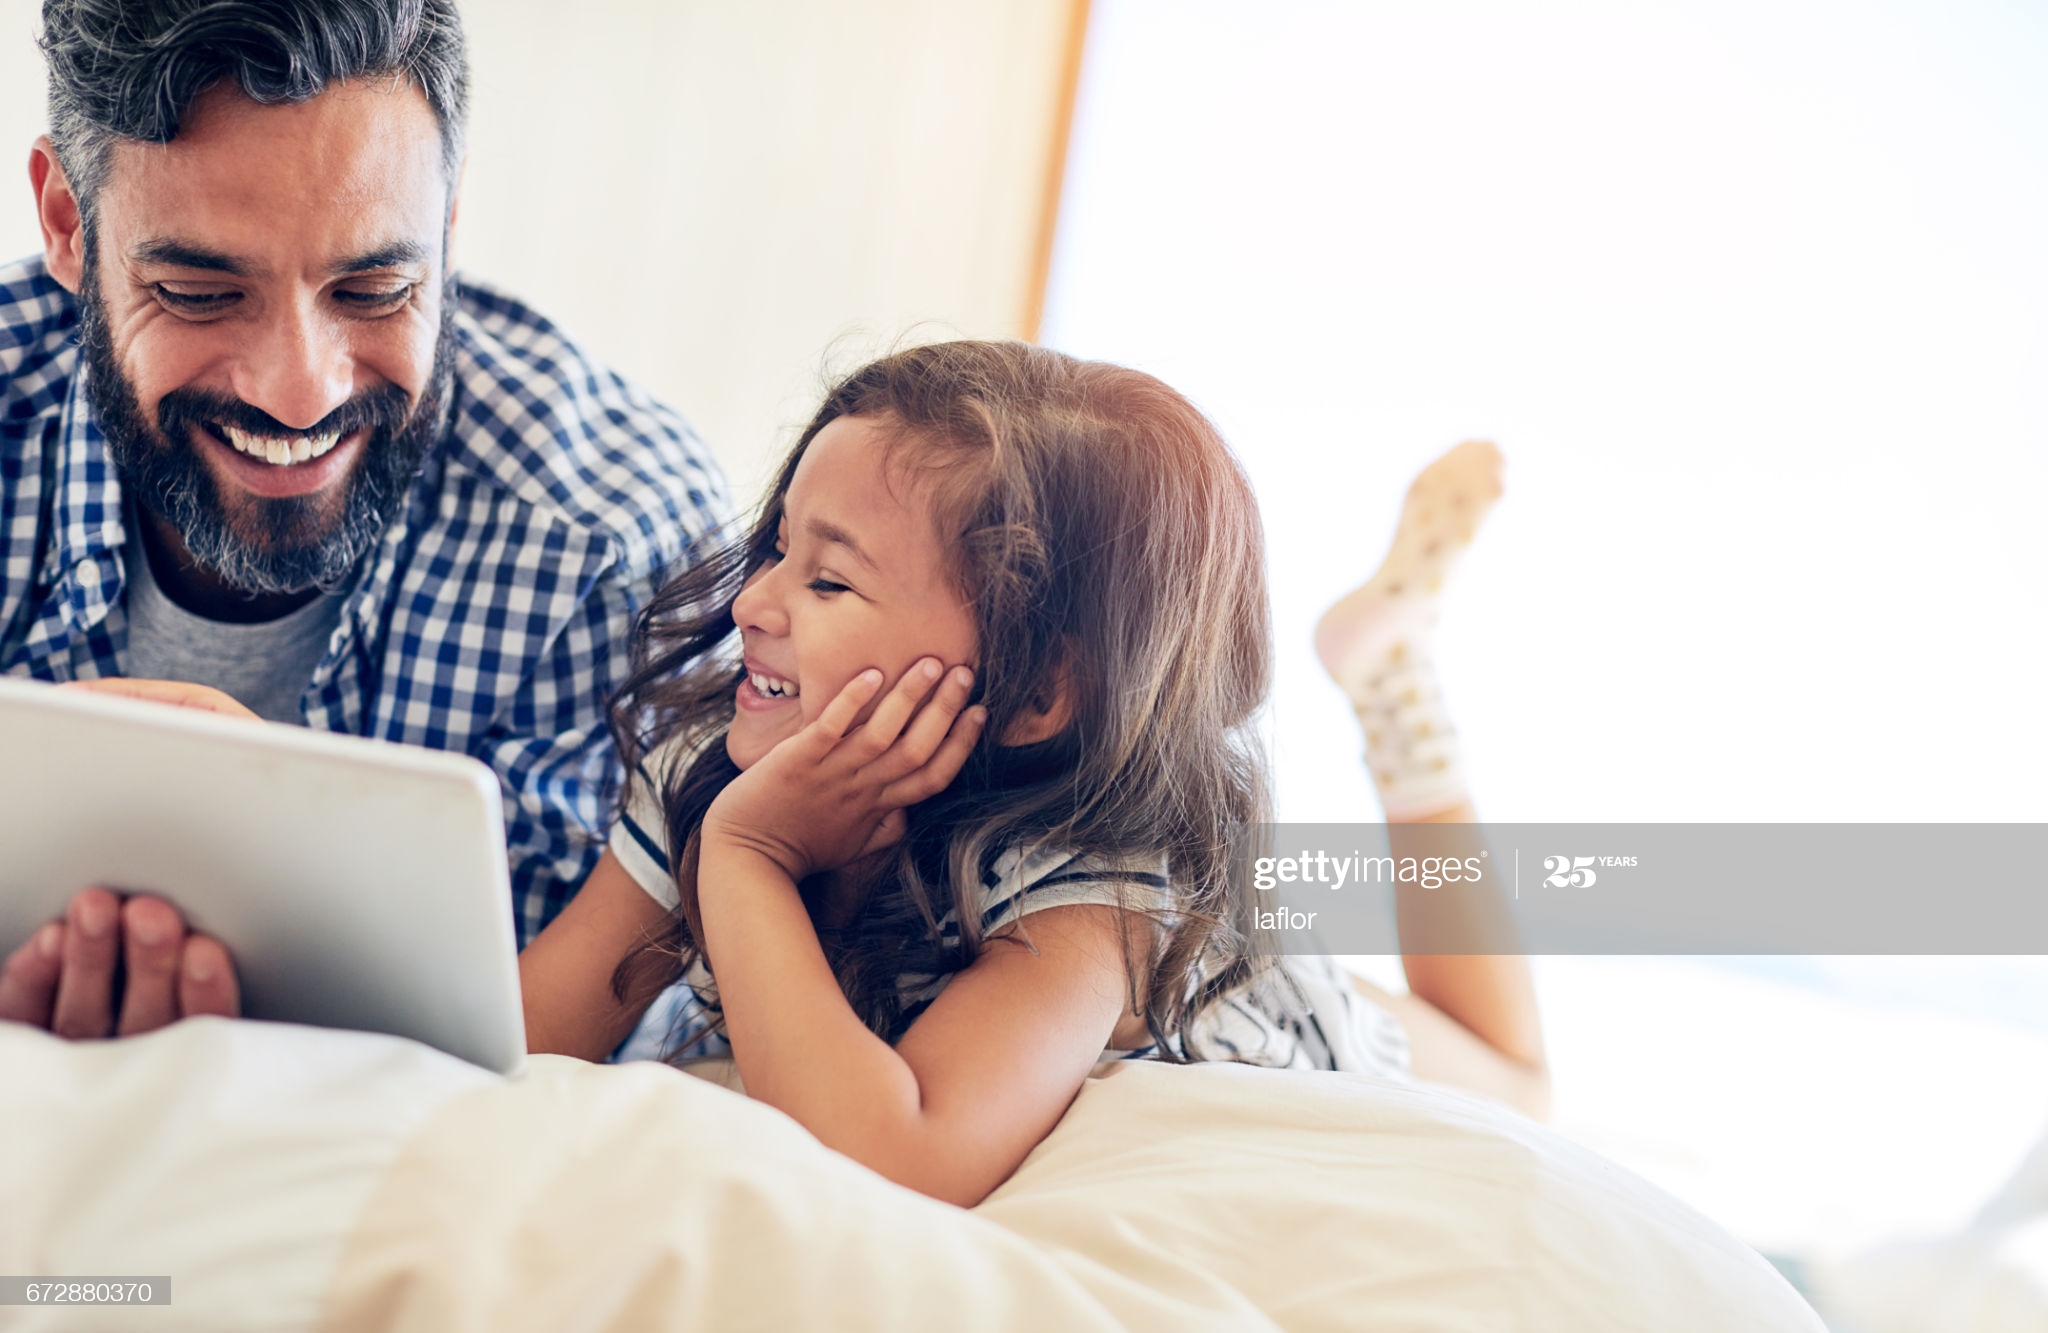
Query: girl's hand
[[835, 792]]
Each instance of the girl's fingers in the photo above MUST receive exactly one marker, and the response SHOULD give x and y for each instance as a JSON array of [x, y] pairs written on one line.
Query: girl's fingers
[[943, 766], [846, 705], [887, 833], [879, 732], [928, 729]]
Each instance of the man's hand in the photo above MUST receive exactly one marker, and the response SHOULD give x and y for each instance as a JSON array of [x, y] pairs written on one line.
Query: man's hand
[[65, 978], [176, 692]]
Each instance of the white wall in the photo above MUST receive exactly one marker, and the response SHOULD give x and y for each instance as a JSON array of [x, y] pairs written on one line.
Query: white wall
[[1750, 293], [21, 120], [710, 194]]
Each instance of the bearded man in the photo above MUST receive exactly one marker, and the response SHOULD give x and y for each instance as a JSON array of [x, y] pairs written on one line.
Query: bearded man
[[256, 434]]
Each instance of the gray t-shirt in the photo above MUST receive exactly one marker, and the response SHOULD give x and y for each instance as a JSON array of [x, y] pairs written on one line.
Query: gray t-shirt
[[266, 667]]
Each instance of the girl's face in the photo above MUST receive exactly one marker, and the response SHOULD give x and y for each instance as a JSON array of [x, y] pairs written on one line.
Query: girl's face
[[860, 581]]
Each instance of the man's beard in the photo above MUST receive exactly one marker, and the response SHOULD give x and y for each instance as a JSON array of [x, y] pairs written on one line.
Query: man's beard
[[263, 545]]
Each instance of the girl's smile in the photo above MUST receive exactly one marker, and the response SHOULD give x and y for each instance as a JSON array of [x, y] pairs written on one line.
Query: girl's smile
[[764, 689], [860, 579]]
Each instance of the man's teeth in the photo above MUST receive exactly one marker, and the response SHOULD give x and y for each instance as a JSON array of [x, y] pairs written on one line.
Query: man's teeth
[[276, 451], [773, 686]]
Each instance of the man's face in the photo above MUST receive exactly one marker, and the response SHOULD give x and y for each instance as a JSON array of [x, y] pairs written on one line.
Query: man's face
[[264, 324]]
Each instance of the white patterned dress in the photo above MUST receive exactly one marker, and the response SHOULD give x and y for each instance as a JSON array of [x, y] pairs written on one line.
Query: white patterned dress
[[1314, 1019]]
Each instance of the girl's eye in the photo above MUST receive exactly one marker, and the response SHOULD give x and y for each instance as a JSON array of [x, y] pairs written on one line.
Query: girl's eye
[[825, 586], [194, 303]]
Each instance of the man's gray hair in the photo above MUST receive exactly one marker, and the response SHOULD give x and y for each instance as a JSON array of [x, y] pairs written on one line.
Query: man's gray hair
[[130, 69]]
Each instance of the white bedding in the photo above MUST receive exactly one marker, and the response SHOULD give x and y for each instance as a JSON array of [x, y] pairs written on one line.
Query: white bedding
[[287, 1178]]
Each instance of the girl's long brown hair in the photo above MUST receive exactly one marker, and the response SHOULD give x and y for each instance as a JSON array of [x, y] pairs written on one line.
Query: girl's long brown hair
[[1104, 535]]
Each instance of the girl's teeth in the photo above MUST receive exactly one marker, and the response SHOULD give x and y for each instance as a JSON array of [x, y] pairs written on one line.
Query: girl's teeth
[[771, 686]]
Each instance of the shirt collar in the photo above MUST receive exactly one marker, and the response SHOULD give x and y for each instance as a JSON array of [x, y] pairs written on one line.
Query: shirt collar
[[87, 518], [84, 568]]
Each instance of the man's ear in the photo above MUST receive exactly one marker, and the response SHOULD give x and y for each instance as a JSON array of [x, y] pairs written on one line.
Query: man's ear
[[57, 210], [1049, 714]]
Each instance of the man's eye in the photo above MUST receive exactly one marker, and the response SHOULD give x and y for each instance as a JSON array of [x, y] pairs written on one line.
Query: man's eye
[[194, 303], [380, 299]]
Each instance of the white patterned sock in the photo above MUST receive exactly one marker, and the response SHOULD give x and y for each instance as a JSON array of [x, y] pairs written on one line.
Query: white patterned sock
[[1376, 642]]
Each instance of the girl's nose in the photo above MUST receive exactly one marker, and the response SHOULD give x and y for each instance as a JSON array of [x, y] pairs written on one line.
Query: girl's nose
[[759, 605]]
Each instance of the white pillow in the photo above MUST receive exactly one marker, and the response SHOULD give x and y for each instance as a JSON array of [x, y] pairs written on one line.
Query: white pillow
[[1341, 1200], [295, 1178]]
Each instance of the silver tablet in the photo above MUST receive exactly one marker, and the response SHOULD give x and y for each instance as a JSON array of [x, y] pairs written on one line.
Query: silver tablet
[[358, 884]]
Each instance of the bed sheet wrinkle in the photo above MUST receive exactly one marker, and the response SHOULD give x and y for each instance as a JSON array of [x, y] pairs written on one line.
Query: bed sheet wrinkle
[[761, 1226], [232, 1157]]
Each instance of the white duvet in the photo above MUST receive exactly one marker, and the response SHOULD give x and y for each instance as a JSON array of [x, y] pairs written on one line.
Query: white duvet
[[288, 1178]]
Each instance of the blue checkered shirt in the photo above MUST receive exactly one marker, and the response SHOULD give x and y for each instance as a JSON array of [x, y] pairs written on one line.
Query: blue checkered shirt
[[491, 620]]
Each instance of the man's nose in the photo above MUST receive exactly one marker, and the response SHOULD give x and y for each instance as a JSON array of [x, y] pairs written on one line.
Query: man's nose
[[299, 368]]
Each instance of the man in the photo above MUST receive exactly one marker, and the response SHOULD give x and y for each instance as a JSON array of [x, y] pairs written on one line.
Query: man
[[254, 433]]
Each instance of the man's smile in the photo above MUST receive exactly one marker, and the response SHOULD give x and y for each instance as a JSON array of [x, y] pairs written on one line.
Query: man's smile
[[280, 467], [274, 450]]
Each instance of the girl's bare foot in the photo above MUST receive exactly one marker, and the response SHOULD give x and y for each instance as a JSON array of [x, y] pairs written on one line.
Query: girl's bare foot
[[1375, 642]]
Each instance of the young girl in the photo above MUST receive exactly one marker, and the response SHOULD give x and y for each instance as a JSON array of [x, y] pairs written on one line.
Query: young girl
[[934, 772]]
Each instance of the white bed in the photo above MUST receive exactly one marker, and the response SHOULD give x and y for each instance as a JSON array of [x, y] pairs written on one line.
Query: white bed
[[288, 1178]]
